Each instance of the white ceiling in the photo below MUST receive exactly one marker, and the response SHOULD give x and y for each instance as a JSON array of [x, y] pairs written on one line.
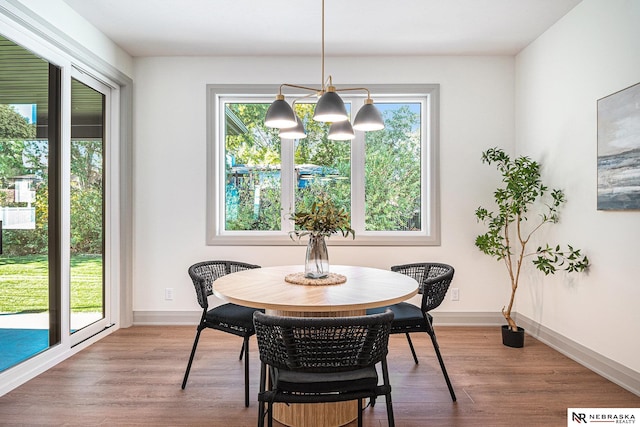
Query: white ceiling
[[293, 27]]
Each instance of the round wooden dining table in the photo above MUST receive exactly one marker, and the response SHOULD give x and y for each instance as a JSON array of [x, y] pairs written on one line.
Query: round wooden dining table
[[267, 288]]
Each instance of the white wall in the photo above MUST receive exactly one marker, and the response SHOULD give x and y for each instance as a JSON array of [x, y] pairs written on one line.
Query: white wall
[[477, 112], [589, 54]]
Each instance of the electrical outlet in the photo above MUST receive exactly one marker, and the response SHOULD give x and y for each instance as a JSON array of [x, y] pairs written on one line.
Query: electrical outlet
[[168, 294], [455, 294]]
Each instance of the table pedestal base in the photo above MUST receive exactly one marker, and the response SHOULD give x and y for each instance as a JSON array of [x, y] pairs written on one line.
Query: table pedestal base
[[331, 414]]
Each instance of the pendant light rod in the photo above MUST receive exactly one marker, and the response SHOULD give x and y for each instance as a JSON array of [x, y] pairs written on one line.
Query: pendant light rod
[[330, 107], [315, 90], [323, 88], [355, 88], [323, 82]]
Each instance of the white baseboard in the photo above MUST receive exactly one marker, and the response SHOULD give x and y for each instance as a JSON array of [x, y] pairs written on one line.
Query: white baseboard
[[609, 369], [186, 317], [470, 318], [192, 317]]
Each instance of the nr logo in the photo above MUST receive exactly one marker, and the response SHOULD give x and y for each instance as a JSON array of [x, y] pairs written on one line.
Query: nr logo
[[579, 417]]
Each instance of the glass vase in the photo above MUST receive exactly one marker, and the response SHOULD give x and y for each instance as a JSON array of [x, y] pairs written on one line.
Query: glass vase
[[316, 263]]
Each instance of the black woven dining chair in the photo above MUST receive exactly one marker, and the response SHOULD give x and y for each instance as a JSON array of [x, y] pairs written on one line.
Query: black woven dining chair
[[231, 318], [433, 282], [322, 359]]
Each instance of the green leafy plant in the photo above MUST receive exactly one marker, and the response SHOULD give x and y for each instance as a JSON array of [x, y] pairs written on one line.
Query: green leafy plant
[[323, 218], [508, 230]]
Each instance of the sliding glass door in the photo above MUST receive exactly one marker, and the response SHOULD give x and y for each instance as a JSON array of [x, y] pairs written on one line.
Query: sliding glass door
[[87, 284], [53, 257], [30, 297]]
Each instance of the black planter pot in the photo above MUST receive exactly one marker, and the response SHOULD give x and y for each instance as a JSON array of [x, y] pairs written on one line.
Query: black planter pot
[[512, 339]]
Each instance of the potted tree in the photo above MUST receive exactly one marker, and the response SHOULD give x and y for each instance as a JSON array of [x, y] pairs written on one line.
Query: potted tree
[[509, 228]]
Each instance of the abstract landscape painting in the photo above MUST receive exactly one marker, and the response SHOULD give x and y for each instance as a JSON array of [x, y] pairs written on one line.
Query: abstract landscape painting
[[619, 150]]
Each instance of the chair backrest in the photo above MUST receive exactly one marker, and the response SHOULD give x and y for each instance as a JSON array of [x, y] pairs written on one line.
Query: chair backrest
[[433, 281], [203, 274], [322, 344]]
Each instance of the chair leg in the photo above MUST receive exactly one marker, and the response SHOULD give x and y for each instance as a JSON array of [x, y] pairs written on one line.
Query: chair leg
[[270, 410], [444, 370], [359, 412], [261, 389], [390, 419], [245, 346], [241, 351], [260, 414], [387, 396], [193, 353], [413, 352]]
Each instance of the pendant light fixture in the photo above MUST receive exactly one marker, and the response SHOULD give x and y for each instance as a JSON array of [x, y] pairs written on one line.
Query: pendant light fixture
[[341, 131], [295, 132], [329, 108]]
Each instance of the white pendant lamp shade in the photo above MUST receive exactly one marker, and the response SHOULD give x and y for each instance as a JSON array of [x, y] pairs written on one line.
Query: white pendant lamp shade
[[296, 132], [280, 114], [341, 131], [368, 118], [330, 107]]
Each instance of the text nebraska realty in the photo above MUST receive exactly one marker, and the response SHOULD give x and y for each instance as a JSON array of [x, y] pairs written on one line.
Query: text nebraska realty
[[604, 418]]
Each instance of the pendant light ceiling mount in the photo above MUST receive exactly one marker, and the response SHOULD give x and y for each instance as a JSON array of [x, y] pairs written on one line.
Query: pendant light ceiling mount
[[329, 108]]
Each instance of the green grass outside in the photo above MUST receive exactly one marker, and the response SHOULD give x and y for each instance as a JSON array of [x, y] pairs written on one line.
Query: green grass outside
[[24, 283]]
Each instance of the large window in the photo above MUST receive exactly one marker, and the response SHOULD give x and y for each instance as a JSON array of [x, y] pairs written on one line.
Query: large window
[[386, 179]]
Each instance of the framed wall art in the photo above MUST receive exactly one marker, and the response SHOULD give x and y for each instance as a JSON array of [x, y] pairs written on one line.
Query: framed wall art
[[619, 150]]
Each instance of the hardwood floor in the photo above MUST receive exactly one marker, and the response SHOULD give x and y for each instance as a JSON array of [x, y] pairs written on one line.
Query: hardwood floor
[[133, 378]]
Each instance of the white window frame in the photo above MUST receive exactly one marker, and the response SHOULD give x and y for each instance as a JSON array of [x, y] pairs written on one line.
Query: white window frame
[[427, 94]]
